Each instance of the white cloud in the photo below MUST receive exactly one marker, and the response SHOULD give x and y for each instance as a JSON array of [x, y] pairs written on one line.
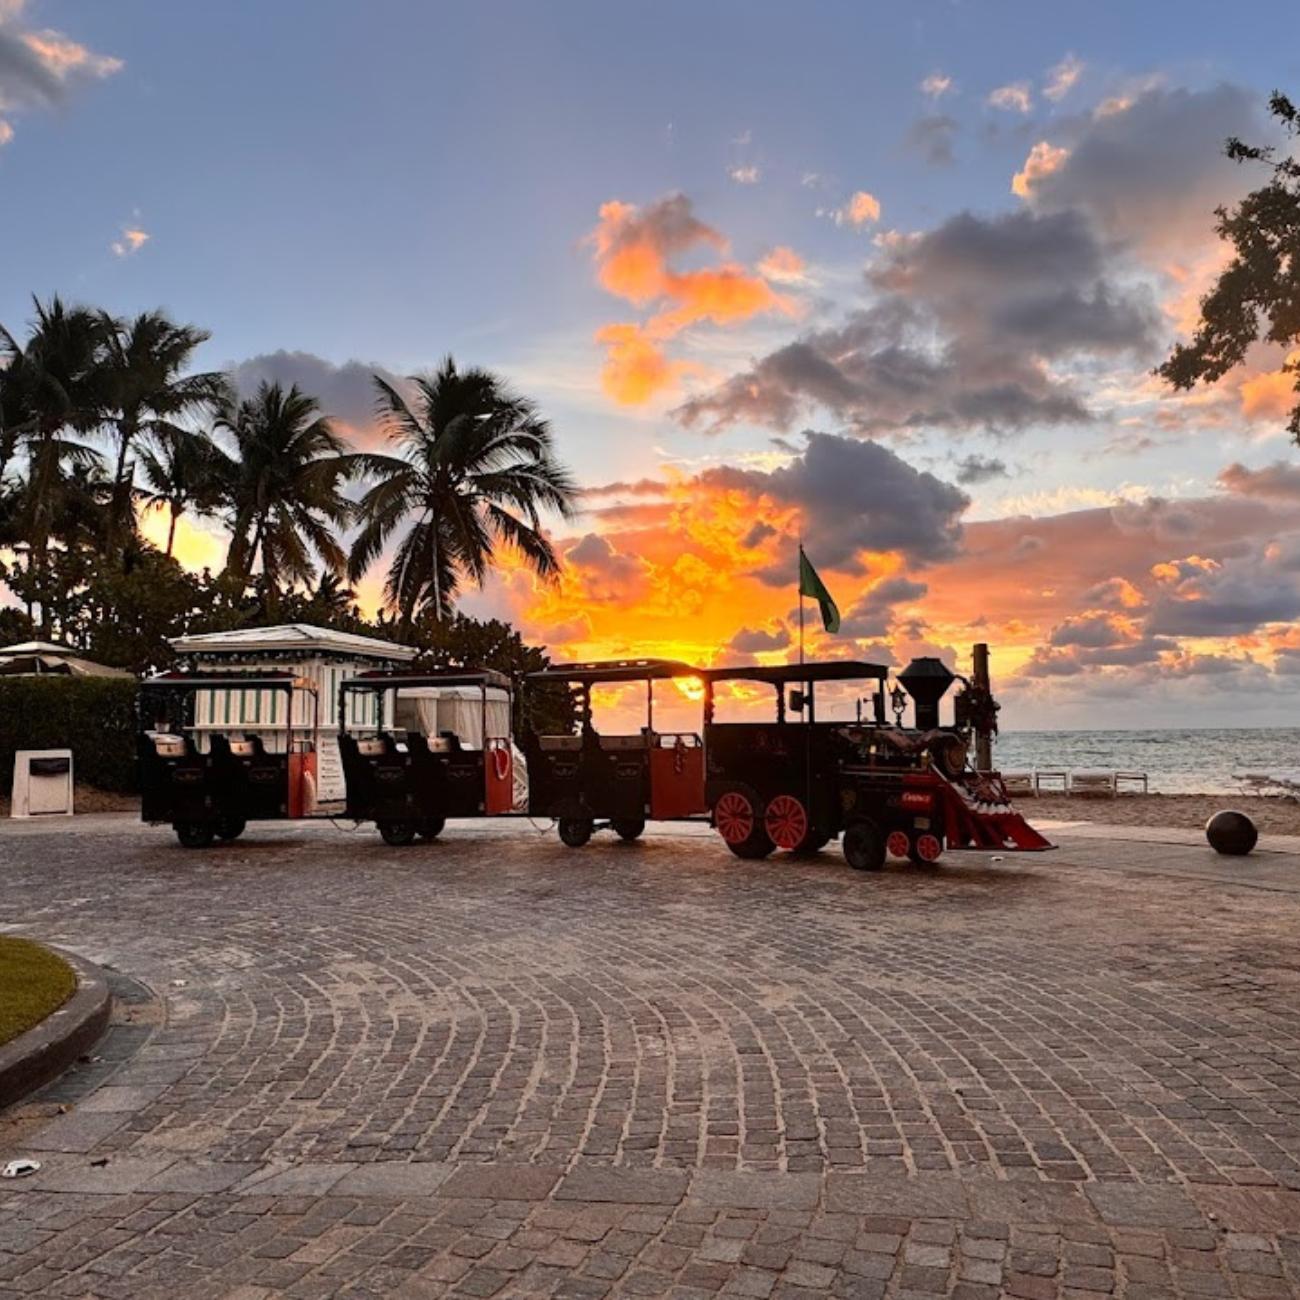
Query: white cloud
[[1061, 79], [936, 85], [1015, 98], [6, 132], [746, 175]]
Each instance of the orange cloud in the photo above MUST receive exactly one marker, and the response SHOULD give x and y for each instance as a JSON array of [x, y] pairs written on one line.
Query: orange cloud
[[1190, 567], [862, 209], [132, 241], [633, 247], [1273, 394], [783, 265], [1043, 160], [635, 368], [633, 253], [724, 296]]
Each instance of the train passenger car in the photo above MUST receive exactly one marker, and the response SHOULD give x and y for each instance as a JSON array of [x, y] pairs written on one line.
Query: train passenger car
[[795, 782], [209, 780], [405, 771], [589, 781]]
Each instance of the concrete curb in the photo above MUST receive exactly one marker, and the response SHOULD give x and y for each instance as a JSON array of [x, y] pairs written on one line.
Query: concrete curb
[[46, 1050]]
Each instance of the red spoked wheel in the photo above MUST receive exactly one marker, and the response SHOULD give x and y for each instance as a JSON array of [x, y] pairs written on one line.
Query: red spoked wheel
[[786, 822], [898, 845], [927, 848], [733, 815]]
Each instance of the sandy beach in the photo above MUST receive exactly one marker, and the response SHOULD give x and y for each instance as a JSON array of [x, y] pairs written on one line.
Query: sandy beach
[[1272, 815]]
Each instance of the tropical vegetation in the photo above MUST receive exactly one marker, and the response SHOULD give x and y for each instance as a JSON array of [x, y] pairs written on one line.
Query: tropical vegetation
[[106, 420], [474, 467], [1256, 298]]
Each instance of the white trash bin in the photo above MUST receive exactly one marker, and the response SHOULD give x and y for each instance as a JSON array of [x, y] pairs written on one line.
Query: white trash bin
[[42, 783]]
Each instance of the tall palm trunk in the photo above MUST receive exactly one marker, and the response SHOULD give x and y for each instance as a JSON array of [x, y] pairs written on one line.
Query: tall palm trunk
[[42, 479], [120, 502]]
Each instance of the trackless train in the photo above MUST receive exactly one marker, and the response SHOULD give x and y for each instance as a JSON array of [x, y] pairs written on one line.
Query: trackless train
[[781, 777]]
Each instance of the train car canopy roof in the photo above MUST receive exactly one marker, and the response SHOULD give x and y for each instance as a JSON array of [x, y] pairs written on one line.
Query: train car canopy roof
[[617, 670], [836, 670], [384, 679]]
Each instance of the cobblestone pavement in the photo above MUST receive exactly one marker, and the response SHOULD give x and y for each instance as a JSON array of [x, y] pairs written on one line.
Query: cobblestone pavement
[[496, 1066]]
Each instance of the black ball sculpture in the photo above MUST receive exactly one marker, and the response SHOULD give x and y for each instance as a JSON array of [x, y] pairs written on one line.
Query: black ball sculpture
[[1232, 833]]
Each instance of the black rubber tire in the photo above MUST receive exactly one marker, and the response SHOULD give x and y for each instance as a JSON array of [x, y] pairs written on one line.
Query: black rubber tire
[[757, 845], [431, 828], [229, 828], [629, 830], [195, 835], [864, 847], [575, 831], [813, 843], [398, 834]]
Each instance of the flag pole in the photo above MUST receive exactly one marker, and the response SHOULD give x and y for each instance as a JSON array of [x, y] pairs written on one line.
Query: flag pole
[[799, 583]]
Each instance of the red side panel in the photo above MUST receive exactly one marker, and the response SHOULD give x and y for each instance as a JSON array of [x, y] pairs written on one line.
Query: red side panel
[[676, 781], [302, 784], [499, 778]]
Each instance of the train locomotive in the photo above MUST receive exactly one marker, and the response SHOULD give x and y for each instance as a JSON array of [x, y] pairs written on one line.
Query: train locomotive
[[795, 782]]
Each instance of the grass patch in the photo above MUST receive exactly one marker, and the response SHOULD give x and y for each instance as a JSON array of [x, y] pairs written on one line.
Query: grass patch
[[33, 982]]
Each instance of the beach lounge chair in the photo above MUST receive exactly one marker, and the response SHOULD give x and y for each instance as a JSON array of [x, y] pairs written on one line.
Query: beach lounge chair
[[1136, 781], [1094, 784], [1051, 780], [1019, 784]]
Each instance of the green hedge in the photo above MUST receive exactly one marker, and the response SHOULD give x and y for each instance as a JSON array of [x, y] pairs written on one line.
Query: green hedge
[[92, 716]]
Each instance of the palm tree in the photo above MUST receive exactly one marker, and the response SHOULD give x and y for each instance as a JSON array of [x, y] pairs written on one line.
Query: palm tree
[[280, 492], [474, 470], [182, 471], [331, 599], [52, 391], [143, 390]]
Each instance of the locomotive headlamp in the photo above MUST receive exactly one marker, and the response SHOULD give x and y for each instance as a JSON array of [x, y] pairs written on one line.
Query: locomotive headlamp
[[898, 702]]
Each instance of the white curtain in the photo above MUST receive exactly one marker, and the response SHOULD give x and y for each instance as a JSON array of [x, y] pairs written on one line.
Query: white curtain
[[433, 709]]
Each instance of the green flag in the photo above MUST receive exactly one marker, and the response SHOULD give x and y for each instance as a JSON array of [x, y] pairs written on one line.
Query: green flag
[[811, 585]]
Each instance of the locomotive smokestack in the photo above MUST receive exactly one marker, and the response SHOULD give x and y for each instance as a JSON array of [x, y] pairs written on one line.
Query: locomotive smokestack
[[926, 680]]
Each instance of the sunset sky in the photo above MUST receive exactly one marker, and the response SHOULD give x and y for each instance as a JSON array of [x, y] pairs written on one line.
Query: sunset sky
[[892, 276]]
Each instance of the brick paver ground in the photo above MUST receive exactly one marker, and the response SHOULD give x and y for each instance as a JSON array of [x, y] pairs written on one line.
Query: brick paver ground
[[496, 1066]]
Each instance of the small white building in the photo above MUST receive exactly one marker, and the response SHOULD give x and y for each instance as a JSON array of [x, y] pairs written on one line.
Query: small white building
[[321, 654]]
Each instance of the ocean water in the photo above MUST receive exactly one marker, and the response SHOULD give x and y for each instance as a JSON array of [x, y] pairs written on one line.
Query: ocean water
[[1192, 761]]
